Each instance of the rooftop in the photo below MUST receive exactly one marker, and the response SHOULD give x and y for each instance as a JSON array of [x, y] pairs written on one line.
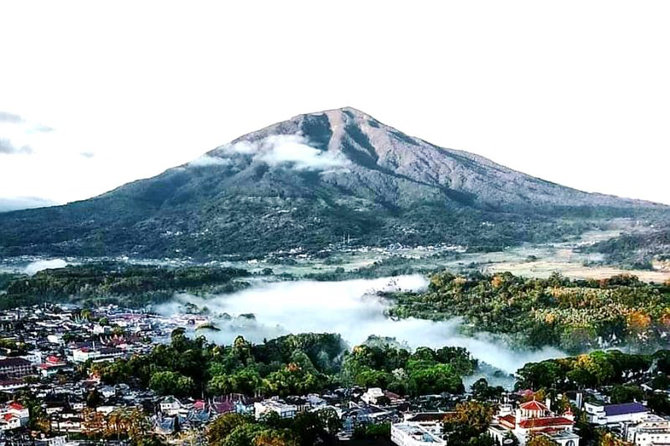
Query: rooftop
[[622, 409]]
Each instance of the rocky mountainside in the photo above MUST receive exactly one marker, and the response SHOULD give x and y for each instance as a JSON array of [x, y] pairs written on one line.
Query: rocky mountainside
[[308, 183]]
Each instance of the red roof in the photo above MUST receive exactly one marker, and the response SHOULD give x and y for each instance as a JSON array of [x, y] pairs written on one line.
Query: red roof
[[509, 420], [16, 406], [531, 423], [8, 416], [534, 406]]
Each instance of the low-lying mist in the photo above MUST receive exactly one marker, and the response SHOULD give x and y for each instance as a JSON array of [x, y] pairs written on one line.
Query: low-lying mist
[[350, 308]]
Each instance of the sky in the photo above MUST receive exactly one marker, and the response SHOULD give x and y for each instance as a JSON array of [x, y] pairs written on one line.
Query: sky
[[96, 94]]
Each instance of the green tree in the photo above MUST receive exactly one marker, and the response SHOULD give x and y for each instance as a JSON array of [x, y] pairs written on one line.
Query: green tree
[[171, 383], [219, 429]]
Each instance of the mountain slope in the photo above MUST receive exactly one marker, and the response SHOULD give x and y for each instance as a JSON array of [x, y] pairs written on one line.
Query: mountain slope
[[307, 182]]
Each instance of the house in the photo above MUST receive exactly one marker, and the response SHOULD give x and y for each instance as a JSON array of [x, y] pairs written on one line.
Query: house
[[372, 395], [106, 409], [83, 354], [274, 405], [616, 413], [52, 366], [56, 338], [170, 405], [430, 421], [651, 432], [52, 441], [12, 384], [315, 401], [533, 418], [405, 434], [9, 422], [164, 425], [15, 367], [34, 356], [70, 424], [237, 403]]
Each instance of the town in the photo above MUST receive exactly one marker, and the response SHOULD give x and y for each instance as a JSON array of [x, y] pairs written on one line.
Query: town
[[62, 382]]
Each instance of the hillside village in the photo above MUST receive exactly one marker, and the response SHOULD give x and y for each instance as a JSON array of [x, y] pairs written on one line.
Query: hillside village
[[53, 394]]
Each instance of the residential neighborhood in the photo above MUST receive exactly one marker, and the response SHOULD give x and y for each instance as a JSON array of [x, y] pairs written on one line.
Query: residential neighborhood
[[53, 395]]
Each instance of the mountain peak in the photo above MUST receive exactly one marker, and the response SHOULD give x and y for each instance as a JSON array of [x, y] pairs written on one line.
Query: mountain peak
[[346, 110], [304, 182]]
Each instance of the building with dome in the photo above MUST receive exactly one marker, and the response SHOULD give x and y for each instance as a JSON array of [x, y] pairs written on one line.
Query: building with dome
[[533, 418]]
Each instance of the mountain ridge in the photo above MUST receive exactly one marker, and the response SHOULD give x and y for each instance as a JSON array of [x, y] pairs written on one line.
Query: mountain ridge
[[305, 182]]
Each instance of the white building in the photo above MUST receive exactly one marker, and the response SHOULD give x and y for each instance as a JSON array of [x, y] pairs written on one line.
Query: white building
[[652, 432], [429, 421], [55, 338], [13, 415], [616, 413], [12, 384], [406, 434], [34, 356], [274, 405], [170, 405], [533, 418], [372, 394], [100, 354]]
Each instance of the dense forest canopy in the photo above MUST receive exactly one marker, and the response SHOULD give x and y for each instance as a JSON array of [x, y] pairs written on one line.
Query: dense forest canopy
[[637, 249], [289, 365], [114, 282], [574, 315]]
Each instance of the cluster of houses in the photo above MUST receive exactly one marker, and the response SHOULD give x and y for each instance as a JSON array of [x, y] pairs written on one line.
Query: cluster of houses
[[42, 348], [631, 422], [71, 404]]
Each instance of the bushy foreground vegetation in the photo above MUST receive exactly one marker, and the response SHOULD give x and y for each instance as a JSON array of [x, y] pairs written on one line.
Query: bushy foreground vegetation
[[110, 282], [306, 363], [289, 365], [594, 370], [306, 429], [574, 315]]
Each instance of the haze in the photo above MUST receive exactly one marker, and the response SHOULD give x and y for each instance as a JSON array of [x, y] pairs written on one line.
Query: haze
[[350, 308]]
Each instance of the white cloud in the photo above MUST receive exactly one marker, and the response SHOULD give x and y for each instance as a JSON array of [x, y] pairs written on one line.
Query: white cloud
[[207, 160], [294, 149], [41, 265], [350, 308], [242, 147], [291, 150]]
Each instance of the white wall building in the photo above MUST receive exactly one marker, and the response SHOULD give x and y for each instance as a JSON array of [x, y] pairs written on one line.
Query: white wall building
[[13, 415], [533, 418], [372, 394], [616, 413], [282, 409], [170, 405], [652, 432], [405, 434], [100, 354]]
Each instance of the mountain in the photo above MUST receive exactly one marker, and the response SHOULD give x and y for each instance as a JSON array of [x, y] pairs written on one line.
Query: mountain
[[307, 183]]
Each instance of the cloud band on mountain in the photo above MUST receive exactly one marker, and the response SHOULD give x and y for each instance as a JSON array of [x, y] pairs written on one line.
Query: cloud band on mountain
[[290, 150]]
